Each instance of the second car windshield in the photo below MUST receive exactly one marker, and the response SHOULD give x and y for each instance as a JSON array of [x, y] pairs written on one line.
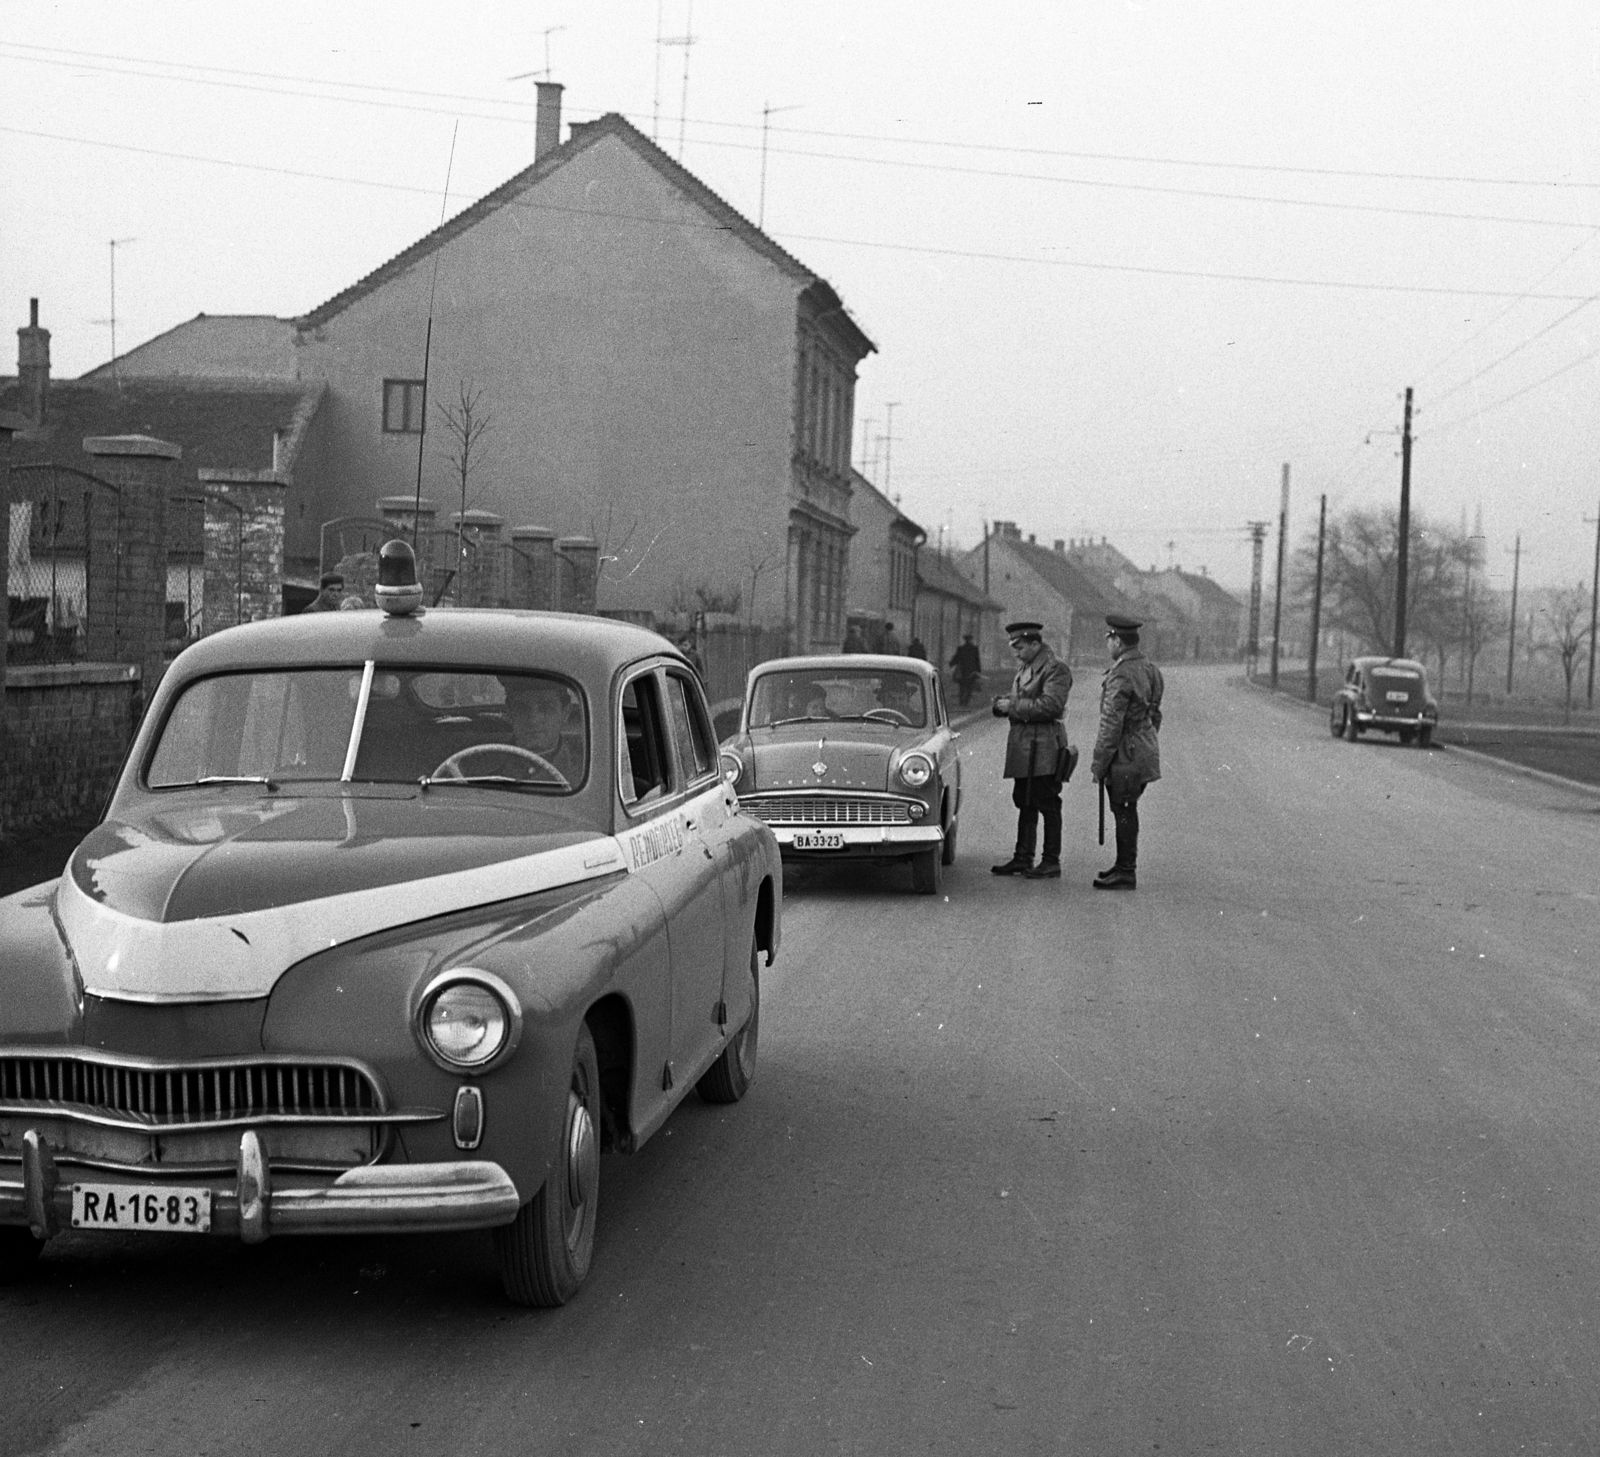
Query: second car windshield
[[374, 724], [822, 695]]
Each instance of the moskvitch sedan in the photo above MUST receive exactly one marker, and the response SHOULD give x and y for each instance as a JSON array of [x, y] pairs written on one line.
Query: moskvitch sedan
[[1387, 695], [850, 757], [395, 921]]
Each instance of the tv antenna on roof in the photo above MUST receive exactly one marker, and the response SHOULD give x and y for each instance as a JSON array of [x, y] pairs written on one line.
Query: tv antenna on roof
[[543, 75], [115, 244], [686, 40]]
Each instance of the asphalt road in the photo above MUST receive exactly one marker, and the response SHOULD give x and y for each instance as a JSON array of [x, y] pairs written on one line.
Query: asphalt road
[[1292, 1150]]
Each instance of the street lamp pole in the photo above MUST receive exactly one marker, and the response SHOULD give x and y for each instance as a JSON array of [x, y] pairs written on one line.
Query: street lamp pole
[[1403, 561]]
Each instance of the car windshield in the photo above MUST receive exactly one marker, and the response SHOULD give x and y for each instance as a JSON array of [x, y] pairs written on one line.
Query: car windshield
[[435, 726], [826, 694]]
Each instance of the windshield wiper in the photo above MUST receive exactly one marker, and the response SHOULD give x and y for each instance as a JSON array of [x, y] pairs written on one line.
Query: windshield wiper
[[428, 781], [227, 779], [802, 718]]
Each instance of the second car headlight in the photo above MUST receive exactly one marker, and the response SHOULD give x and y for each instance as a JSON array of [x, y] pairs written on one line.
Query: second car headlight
[[916, 770], [732, 767], [469, 1019]]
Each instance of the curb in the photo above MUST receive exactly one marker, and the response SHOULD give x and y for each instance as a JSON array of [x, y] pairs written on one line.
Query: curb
[[1509, 766]]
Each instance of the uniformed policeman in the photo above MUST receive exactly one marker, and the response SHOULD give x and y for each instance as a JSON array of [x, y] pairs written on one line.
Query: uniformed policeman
[[1036, 749], [1127, 755]]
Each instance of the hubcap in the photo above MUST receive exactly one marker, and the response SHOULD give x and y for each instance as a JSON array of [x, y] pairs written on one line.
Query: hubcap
[[583, 1154]]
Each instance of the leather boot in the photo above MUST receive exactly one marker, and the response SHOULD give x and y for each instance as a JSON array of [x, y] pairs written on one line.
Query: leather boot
[[1016, 865], [1046, 869], [1116, 880]]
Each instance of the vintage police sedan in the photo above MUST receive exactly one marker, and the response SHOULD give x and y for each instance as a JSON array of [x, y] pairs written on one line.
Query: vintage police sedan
[[1389, 695], [850, 757], [393, 924]]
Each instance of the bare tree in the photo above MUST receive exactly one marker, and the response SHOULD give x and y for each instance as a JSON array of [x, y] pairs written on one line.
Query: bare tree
[[1360, 571], [466, 422], [1564, 631]]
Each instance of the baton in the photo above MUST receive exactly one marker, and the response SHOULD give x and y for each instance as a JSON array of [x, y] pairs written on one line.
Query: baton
[[1102, 785]]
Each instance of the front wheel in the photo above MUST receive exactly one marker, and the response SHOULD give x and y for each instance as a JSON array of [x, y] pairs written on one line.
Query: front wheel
[[947, 854], [729, 1077], [927, 871], [1335, 721], [1425, 736], [1351, 731], [545, 1252]]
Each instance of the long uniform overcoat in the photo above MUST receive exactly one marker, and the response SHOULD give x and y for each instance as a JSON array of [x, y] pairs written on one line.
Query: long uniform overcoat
[[1130, 715], [1036, 744]]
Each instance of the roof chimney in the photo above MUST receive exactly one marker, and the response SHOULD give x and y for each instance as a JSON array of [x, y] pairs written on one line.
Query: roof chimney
[[1033, 539], [33, 364], [1061, 547], [547, 123]]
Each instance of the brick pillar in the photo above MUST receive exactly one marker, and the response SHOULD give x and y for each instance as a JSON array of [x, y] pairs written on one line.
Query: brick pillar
[[128, 552], [533, 567], [481, 566], [578, 574], [243, 546]]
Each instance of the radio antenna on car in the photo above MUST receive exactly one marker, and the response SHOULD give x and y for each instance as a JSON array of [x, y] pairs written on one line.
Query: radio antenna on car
[[427, 343]]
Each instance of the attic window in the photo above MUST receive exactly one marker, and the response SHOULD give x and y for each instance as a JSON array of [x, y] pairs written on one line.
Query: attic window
[[402, 407]]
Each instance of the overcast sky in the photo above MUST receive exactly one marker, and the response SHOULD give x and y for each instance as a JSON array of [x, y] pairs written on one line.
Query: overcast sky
[[1122, 261]]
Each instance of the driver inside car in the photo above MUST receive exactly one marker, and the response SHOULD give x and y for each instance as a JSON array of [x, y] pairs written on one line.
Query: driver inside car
[[537, 709]]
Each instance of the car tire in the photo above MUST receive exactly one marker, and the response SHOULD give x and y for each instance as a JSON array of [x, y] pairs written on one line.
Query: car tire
[[545, 1252], [927, 871], [1407, 735], [1425, 737], [947, 851], [1335, 721], [729, 1077], [1352, 730], [18, 1252]]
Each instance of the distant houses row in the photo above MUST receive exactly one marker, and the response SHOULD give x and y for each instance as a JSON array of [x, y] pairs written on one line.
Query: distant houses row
[[625, 376]]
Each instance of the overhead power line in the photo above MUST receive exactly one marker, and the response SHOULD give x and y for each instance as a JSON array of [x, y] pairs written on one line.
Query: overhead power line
[[1514, 350], [1482, 410], [63, 56]]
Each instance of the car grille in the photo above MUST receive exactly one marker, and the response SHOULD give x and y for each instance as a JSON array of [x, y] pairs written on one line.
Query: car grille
[[818, 809], [178, 1096]]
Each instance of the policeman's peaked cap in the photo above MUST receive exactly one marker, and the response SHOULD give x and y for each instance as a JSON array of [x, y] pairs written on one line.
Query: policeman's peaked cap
[[1118, 623], [1025, 631]]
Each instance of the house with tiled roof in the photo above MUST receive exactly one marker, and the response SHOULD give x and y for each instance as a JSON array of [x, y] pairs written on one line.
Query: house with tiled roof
[[242, 445], [949, 607], [657, 374], [1043, 584], [1212, 617], [883, 564]]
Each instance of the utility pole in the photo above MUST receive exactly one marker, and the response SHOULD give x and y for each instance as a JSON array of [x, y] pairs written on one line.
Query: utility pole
[[1277, 595], [1594, 605], [1316, 605], [985, 558], [1403, 561], [1511, 643], [1258, 537]]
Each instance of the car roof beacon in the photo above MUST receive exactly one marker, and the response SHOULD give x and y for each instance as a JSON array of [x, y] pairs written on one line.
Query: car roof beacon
[[398, 591]]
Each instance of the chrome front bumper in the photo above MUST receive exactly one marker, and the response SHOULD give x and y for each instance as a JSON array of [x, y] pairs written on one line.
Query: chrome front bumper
[[377, 1199]]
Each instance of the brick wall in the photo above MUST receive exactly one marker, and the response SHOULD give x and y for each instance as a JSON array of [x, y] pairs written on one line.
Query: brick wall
[[67, 728], [244, 546]]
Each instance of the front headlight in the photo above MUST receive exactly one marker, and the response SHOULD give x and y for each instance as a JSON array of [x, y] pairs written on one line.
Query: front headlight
[[916, 770], [469, 1019], [732, 766]]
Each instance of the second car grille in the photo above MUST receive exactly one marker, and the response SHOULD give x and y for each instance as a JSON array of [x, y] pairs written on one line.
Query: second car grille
[[818, 809], [179, 1095]]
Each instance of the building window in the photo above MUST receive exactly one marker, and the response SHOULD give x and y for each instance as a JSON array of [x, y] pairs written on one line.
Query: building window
[[402, 406]]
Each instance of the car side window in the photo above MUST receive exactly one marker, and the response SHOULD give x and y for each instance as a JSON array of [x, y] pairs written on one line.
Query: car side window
[[690, 727], [938, 698], [644, 762]]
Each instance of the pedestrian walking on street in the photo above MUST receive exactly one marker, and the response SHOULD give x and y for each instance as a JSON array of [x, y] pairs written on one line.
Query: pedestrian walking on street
[[853, 641], [968, 668], [915, 649], [1038, 759], [1127, 754], [890, 642]]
